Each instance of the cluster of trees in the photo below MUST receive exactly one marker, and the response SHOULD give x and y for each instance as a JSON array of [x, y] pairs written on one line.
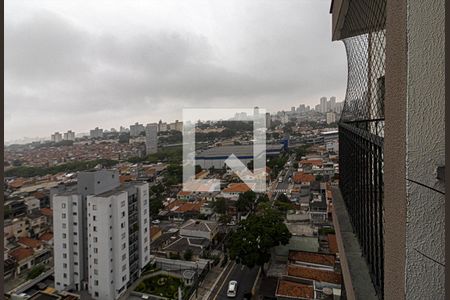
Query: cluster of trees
[[253, 240], [24, 171]]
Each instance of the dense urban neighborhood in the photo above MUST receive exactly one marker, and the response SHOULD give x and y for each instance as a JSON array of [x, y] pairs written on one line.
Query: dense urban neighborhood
[[168, 242]]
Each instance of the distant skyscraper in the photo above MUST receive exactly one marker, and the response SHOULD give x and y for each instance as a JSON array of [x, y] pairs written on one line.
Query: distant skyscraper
[[317, 108], [69, 136], [323, 105], [151, 138], [56, 137], [101, 234], [332, 103], [293, 109], [136, 129], [96, 133], [268, 120]]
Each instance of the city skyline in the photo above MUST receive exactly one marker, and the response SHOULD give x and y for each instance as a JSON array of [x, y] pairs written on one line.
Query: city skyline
[[87, 69]]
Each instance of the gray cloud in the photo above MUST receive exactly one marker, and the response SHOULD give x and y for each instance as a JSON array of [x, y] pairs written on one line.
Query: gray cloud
[[60, 75]]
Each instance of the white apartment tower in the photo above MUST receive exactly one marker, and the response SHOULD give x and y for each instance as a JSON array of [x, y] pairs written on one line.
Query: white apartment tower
[[101, 234], [151, 138]]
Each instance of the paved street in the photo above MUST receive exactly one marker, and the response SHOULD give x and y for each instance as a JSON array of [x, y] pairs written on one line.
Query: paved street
[[244, 276]]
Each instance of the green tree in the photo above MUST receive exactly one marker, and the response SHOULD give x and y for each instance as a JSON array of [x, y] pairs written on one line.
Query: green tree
[[220, 206], [35, 272], [246, 201], [263, 198], [224, 219], [252, 242]]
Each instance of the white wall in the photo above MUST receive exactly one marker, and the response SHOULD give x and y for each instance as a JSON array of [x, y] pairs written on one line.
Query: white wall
[[425, 251]]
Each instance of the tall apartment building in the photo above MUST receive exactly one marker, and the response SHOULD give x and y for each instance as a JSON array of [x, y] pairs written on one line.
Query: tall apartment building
[[101, 234], [69, 136], [392, 149], [151, 138], [332, 104], [136, 129], [323, 105], [96, 133], [56, 137], [331, 117]]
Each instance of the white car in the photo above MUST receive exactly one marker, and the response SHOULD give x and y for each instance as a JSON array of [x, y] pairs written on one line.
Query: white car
[[232, 289], [156, 221]]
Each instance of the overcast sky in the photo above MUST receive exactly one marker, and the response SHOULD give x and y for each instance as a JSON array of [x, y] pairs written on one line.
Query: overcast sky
[[81, 64]]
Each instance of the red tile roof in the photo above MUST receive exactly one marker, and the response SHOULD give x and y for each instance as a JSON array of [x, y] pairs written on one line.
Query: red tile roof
[[312, 257], [32, 243], [294, 290], [236, 188], [332, 243], [21, 253], [46, 236], [303, 177], [315, 274]]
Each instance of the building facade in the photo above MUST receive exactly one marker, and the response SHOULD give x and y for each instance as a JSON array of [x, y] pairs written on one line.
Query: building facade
[[101, 234], [151, 138]]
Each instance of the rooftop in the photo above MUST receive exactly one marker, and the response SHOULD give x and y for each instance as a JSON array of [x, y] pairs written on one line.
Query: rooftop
[[199, 225], [32, 243], [21, 253], [313, 258], [236, 188], [332, 243], [294, 290], [314, 274]]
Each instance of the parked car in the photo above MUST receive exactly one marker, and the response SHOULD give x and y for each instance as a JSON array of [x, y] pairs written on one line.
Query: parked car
[[156, 221], [232, 289]]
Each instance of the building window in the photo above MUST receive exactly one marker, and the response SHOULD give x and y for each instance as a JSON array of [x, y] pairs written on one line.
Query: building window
[[122, 225], [75, 223], [123, 214], [63, 205], [123, 235], [63, 215], [64, 255], [95, 239], [75, 263], [95, 261], [65, 275], [124, 246], [95, 272], [94, 207], [95, 250], [95, 228], [65, 266], [94, 218], [124, 267], [145, 221], [122, 204], [64, 235], [75, 253], [124, 256], [74, 213], [74, 203], [124, 278], [96, 294], [64, 245]]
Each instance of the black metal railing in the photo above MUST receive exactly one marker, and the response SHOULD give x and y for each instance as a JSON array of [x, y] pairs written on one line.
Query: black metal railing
[[361, 130]]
